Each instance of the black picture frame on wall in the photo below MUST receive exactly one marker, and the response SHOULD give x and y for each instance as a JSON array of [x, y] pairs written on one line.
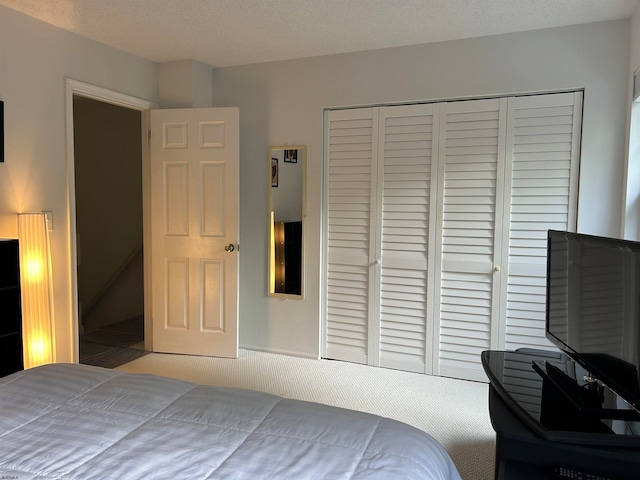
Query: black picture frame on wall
[[1, 131]]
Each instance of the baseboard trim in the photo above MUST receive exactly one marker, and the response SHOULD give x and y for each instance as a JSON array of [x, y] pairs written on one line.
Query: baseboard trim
[[278, 351]]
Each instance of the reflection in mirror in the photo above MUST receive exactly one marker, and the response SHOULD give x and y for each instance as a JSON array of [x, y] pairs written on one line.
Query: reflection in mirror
[[286, 220]]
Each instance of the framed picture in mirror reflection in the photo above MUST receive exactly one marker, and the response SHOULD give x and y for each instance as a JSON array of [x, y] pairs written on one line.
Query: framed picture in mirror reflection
[[274, 172], [291, 156]]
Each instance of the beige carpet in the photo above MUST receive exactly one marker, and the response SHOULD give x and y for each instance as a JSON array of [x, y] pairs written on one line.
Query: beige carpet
[[453, 411]]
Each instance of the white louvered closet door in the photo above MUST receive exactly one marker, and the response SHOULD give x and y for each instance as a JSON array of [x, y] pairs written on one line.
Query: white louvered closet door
[[380, 226], [351, 156], [436, 224], [471, 158], [408, 142], [543, 143]]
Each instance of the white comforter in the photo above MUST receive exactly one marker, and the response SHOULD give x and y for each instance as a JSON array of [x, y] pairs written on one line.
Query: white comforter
[[78, 422]]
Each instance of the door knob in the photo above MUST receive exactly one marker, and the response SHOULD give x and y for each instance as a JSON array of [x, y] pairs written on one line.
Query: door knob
[[229, 248]]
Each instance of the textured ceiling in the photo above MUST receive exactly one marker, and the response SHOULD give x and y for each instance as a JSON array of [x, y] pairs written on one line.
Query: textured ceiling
[[236, 32]]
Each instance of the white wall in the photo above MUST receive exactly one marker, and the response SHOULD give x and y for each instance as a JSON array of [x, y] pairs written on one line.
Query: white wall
[[184, 84], [35, 58], [631, 227], [283, 102]]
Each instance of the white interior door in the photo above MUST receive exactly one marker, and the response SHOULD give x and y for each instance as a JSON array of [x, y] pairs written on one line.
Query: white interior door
[[194, 230]]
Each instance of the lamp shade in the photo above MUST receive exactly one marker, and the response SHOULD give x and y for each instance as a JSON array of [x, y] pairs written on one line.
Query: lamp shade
[[35, 281]]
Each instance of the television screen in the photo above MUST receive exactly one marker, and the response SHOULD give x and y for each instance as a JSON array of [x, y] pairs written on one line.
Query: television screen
[[593, 307]]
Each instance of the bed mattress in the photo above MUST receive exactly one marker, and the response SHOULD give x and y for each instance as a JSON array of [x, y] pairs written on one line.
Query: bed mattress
[[70, 421]]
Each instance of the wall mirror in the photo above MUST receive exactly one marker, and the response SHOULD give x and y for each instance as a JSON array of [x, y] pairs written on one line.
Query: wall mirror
[[287, 169]]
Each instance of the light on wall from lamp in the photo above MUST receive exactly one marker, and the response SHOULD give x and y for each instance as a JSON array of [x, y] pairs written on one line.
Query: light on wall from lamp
[[272, 259], [36, 289]]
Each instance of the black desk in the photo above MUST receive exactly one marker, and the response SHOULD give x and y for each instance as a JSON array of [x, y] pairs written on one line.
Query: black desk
[[522, 454]]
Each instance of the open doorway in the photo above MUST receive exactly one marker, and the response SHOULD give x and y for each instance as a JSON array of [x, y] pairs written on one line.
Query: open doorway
[[109, 231]]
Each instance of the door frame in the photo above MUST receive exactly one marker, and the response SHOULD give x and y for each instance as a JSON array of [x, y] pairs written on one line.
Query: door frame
[[82, 89]]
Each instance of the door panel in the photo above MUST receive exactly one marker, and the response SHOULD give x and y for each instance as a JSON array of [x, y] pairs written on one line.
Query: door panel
[[472, 179], [543, 141], [194, 216], [351, 157], [409, 142]]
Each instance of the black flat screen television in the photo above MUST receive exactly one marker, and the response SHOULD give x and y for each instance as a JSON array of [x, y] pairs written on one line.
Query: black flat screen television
[[593, 307]]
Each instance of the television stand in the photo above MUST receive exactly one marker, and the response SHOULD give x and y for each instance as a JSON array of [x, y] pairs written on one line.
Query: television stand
[[525, 449], [587, 402]]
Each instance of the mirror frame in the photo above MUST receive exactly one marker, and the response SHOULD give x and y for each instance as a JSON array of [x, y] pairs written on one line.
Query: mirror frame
[[302, 158]]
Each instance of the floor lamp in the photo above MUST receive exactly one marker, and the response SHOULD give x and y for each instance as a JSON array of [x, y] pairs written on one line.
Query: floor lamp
[[37, 295]]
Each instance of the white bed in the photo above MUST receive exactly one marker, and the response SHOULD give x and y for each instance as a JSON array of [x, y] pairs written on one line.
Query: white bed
[[79, 422]]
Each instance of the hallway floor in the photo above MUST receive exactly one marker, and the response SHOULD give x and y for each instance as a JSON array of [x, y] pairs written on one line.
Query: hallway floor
[[113, 345]]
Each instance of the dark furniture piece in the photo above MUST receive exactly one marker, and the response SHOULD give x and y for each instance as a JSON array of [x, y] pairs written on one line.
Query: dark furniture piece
[[293, 257], [10, 309], [288, 254], [539, 432]]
